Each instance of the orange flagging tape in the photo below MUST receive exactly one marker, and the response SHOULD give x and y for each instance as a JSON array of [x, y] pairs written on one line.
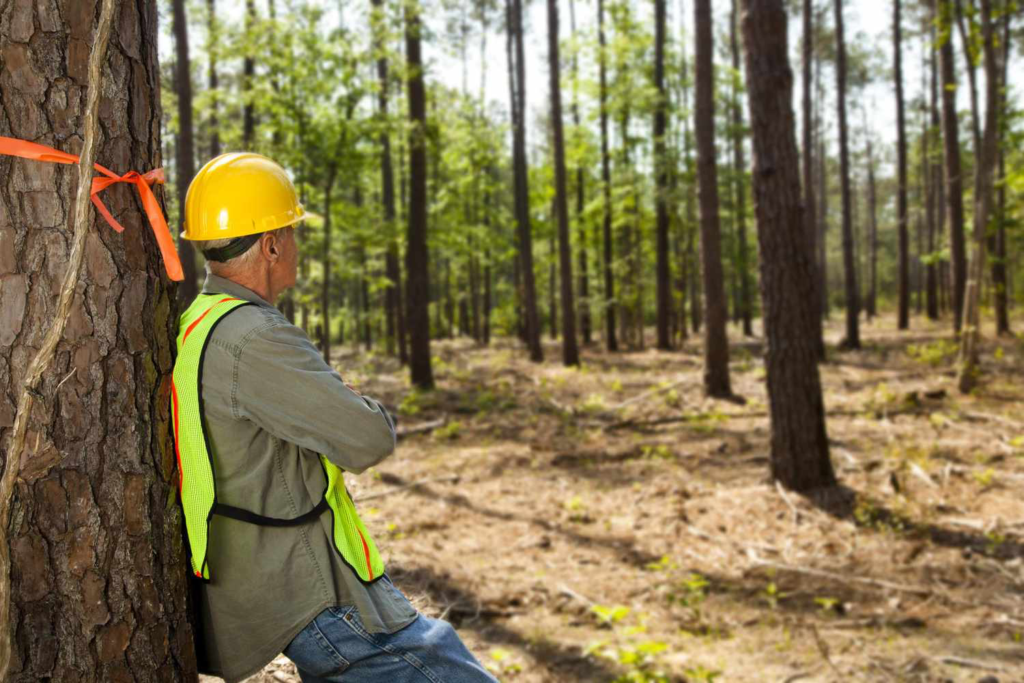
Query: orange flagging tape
[[30, 150]]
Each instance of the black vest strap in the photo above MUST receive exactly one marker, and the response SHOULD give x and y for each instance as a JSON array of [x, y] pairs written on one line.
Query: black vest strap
[[252, 518]]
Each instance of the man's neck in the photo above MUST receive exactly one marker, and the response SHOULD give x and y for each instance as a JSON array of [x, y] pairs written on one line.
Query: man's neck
[[258, 283]]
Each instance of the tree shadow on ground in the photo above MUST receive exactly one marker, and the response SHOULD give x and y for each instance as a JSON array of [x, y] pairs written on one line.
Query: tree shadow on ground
[[465, 611]]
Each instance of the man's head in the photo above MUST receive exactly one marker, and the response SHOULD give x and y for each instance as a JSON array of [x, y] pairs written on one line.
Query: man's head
[[239, 211]]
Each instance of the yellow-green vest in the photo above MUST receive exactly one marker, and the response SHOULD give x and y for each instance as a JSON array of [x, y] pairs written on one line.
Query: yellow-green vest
[[195, 457]]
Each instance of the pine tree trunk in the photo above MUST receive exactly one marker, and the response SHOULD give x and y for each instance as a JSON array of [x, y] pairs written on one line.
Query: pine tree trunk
[[740, 169], [1000, 281], [934, 192], [968, 361], [810, 205], [852, 339], [248, 78], [517, 86], [954, 175], [211, 56], [325, 256], [661, 165], [826, 306], [98, 580], [610, 304], [902, 218], [716, 342], [185, 147], [872, 298], [586, 321], [799, 442]]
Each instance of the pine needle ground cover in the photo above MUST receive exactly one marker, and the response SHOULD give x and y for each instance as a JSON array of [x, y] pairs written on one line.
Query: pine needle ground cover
[[612, 524]]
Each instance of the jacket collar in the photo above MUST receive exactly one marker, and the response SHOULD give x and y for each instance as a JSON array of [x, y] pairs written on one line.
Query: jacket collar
[[218, 285]]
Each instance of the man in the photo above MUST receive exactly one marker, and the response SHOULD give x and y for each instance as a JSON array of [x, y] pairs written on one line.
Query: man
[[264, 429]]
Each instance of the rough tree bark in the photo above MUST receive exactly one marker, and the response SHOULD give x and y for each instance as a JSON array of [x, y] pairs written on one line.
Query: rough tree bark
[[186, 157], [98, 582], [852, 338], [951, 153], [716, 342], [416, 266], [800, 453]]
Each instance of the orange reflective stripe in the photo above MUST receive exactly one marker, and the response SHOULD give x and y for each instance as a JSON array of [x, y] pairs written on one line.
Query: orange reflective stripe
[[30, 150], [199, 319]]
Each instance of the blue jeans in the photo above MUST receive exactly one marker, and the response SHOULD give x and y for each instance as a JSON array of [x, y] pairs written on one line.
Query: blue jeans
[[335, 647]]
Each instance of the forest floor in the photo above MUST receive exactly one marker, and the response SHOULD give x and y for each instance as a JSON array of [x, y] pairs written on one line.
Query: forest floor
[[606, 522]]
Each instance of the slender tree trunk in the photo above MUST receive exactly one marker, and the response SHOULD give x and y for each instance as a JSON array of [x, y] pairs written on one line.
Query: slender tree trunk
[[872, 303], [522, 190], [325, 255], [211, 56], [610, 304], [935, 190], [586, 321], [810, 205], [968, 374], [852, 339], [954, 175], [570, 349], [552, 278], [903, 282], [971, 68], [1000, 281], [416, 266], [661, 166], [826, 307], [98, 587], [716, 342], [185, 148], [740, 169], [799, 443], [248, 77]]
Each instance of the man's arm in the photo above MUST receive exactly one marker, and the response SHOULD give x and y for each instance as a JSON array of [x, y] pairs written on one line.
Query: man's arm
[[283, 385]]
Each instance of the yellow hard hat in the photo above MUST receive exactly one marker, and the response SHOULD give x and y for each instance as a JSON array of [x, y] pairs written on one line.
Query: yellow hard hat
[[239, 194]]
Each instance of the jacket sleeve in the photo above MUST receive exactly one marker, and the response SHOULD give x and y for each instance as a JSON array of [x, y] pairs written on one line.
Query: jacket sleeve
[[284, 386]]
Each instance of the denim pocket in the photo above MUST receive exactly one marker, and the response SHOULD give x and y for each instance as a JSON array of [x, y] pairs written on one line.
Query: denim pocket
[[314, 654]]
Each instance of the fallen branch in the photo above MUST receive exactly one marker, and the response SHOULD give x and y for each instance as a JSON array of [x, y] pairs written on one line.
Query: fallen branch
[[403, 432], [44, 357], [397, 489], [640, 397], [789, 502], [878, 583], [969, 663]]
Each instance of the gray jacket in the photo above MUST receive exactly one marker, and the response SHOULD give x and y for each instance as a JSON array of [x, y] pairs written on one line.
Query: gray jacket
[[271, 405]]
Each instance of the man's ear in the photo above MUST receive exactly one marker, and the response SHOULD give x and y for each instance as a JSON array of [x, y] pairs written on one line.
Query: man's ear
[[271, 249]]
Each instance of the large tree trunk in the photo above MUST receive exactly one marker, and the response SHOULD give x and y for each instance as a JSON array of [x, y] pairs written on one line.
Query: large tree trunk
[[852, 339], [810, 208], [98, 580], [903, 280], [800, 453], [185, 147], [610, 305], [954, 176], [416, 267], [968, 373], [661, 165], [716, 342], [517, 86], [739, 169]]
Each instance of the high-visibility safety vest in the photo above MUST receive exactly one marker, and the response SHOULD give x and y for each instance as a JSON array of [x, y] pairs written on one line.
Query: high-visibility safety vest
[[195, 457]]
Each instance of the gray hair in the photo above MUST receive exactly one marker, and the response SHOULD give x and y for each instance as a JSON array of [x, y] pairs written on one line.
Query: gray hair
[[239, 263]]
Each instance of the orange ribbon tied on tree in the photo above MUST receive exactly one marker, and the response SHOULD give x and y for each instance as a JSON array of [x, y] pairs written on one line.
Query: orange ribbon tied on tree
[[30, 150]]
